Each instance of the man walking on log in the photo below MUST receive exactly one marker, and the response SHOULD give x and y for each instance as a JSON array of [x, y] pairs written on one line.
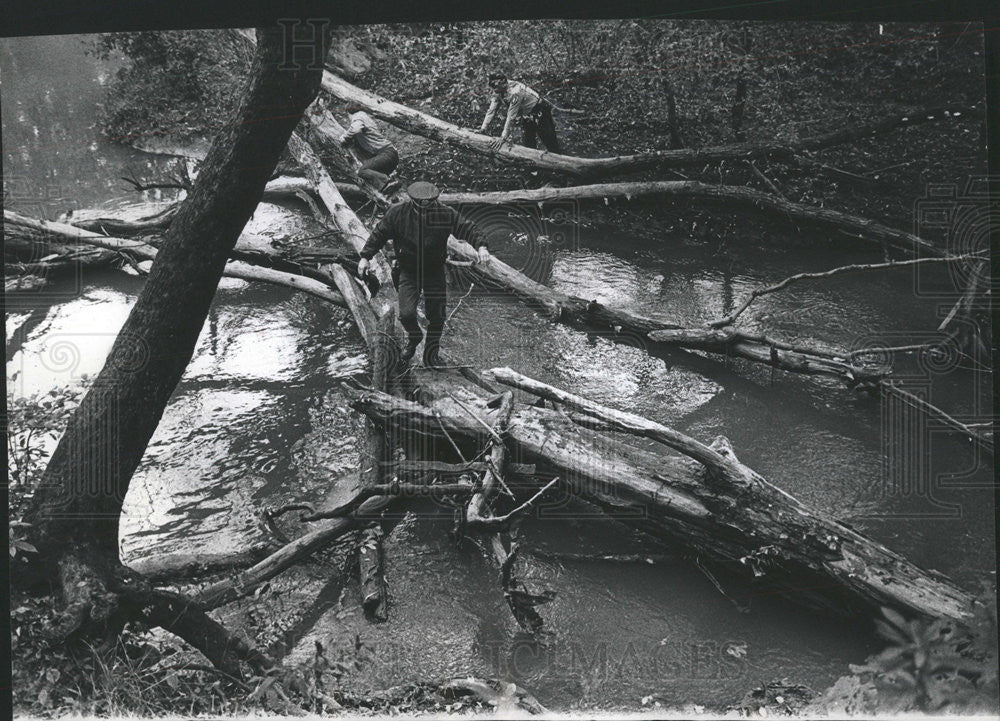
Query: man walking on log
[[380, 156], [419, 229], [524, 105]]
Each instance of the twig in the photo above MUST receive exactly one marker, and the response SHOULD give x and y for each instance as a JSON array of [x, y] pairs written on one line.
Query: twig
[[648, 558], [767, 181], [271, 515], [457, 305], [729, 319], [492, 433], [844, 174], [497, 523], [388, 489], [447, 435], [893, 167], [985, 440], [718, 586], [208, 669]]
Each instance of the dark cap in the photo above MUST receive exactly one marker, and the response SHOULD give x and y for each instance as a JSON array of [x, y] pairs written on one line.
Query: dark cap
[[422, 190]]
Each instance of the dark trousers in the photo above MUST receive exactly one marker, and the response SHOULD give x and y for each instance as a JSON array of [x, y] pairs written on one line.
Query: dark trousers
[[376, 170], [435, 290], [540, 124]]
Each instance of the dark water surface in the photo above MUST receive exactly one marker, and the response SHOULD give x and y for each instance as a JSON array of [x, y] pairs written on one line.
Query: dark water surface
[[257, 422]]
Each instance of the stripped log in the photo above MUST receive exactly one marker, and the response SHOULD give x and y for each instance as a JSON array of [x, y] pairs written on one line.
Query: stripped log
[[342, 217], [656, 335], [171, 567], [857, 226], [278, 189], [723, 513], [420, 123], [371, 569]]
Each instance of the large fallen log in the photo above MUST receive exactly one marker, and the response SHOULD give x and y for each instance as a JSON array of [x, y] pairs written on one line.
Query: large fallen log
[[420, 123], [139, 250], [342, 217], [852, 224], [655, 335], [720, 510], [280, 188], [376, 450]]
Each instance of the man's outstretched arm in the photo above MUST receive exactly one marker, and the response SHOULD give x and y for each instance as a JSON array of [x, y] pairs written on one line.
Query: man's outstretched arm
[[381, 235]]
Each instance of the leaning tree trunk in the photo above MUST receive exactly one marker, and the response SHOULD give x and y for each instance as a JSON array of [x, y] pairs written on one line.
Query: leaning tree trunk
[[75, 513]]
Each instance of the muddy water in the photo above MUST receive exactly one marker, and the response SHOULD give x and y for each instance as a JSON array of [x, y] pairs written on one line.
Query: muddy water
[[257, 422]]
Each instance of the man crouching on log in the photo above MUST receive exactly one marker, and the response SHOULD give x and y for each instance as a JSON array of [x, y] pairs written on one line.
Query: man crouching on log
[[380, 156], [419, 229], [523, 105]]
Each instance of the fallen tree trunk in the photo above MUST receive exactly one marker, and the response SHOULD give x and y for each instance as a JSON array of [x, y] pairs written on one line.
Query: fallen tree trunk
[[170, 567], [722, 511], [69, 234], [278, 189], [375, 451], [653, 335], [343, 218], [420, 123], [835, 220], [244, 583]]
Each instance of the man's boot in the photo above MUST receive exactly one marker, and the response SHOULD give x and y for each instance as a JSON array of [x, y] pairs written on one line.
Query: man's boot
[[432, 350], [408, 351], [391, 186]]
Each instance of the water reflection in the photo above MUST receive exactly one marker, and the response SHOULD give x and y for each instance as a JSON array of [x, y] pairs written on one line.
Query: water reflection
[[257, 421]]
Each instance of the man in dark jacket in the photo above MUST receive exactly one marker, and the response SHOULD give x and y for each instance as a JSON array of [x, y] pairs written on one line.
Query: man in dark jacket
[[419, 229]]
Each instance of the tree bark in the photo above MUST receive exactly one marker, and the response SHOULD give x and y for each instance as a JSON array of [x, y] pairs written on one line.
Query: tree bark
[[655, 336], [420, 123], [250, 266], [719, 509], [748, 197], [76, 510]]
